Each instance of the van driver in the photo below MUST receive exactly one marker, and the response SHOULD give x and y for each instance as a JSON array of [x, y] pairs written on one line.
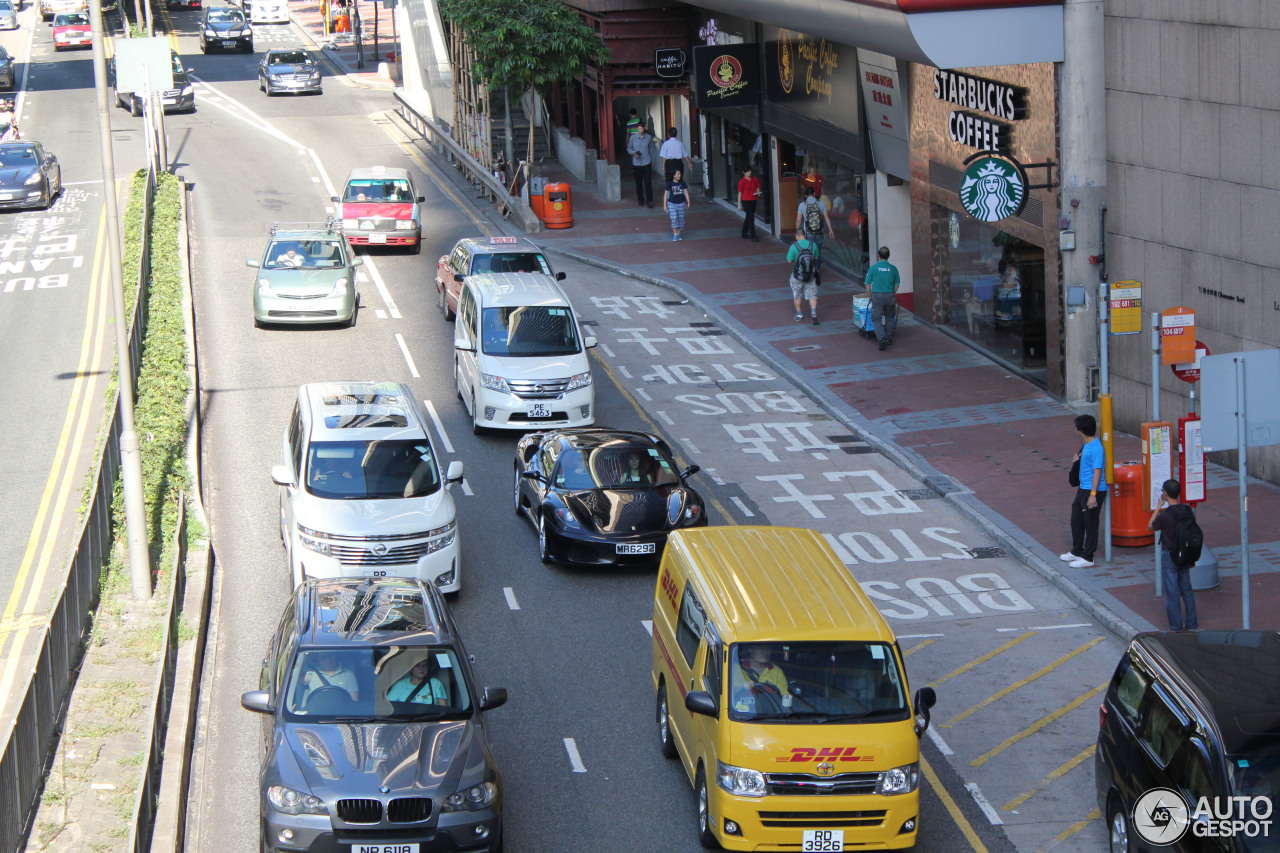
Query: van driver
[[758, 677]]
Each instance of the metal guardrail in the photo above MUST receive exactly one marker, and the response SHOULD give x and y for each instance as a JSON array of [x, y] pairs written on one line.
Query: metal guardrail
[[30, 738]]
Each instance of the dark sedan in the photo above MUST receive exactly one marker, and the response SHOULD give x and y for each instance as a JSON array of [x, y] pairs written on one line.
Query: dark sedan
[[291, 70], [29, 175], [602, 497], [225, 28]]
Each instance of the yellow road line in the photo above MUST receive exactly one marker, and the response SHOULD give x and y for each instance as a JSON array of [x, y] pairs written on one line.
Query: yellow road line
[[1023, 682], [1037, 725], [988, 656], [1078, 825], [1063, 769], [949, 804], [917, 647]]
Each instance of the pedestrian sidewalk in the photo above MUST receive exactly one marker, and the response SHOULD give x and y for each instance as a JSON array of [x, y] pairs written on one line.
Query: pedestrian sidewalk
[[955, 418], [341, 48]]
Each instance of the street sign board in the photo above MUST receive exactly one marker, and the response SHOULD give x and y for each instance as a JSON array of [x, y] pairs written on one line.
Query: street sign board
[[1191, 471], [1218, 395], [1191, 372], [1126, 307], [1177, 335], [1157, 460], [143, 64]]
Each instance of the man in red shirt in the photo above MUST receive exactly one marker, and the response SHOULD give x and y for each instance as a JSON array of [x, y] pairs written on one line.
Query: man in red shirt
[[748, 196], [811, 178]]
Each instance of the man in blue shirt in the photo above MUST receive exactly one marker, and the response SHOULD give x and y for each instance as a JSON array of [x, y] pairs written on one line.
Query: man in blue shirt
[[1086, 509]]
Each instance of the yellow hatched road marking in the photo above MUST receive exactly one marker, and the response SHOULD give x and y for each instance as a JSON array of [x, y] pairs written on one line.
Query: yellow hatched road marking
[[1037, 726], [1062, 770], [917, 647], [952, 809], [988, 656], [1078, 825], [1023, 682]]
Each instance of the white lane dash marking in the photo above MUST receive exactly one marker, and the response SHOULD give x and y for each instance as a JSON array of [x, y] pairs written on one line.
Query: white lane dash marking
[[918, 636], [315, 179], [987, 810], [466, 488], [644, 395], [626, 374], [413, 368], [382, 287], [435, 419], [510, 593], [360, 276], [647, 624], [666, 418], [715, 478], [607, 351], [380, 314], [737, 501], [689, 444], [575, 760], [1045, 627], [938, 741]]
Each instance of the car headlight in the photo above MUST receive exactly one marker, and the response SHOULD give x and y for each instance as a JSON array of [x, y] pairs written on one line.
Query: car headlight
[[474, 798], [290, 801], [580, 380], [315, 75], [402, 224], [899, 780], [317, 545], [350, 223], [494, 383], [187, 90], [692, 513], [739, 780], [210, 34], [448, 528], [340, 287], [264, 287], [34, 178], [566, 517]]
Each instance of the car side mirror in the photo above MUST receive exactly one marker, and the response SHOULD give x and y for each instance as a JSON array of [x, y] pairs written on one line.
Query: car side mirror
[[251, 263], [458, 277], [464, 345], [559, 276], [191, 71], [589, 341], [536, 476], [333, 198], [357, 262], [420, 199], [454, 473], [701, 702], [492, 697], [926, 698], [258, 701], [689, 472], [282, 476]]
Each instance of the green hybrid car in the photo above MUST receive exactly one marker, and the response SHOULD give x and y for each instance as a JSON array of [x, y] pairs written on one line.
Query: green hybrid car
[[305, 276]]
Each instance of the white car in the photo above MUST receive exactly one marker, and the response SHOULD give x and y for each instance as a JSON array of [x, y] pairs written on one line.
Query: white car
[[520, 360], [8, 15], [50, 8], [361, 493], [268, 12]]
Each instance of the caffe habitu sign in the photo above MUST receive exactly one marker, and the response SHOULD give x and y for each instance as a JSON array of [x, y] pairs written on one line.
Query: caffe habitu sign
[[994, 105]]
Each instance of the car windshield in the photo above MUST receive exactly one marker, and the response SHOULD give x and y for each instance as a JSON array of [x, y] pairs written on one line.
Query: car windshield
[[305, 254], [6, 6], [17, 155], [1255, 775], [615, 465], [356, 470], [529, 330], [290, 57], [177, 65], [379, 684], [509, 262], [377, 189], [224, 16], [71, 19], [815, 683]]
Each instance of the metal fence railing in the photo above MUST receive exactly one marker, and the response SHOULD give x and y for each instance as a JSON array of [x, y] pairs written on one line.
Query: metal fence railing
[[29, 741]]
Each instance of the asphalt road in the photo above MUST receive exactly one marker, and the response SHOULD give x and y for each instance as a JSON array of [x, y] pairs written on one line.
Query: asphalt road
[[575, 656]]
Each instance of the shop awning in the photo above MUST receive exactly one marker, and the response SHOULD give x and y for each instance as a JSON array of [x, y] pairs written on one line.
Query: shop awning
[[942, 33]]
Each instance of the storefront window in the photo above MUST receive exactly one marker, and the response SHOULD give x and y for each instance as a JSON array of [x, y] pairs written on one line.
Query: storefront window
[[991, 289], [840, 189]]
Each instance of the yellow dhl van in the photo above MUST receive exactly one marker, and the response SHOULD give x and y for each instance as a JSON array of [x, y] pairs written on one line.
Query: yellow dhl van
[[781, 688]]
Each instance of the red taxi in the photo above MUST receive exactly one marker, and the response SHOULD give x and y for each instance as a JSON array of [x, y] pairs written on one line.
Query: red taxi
[[379, 207]]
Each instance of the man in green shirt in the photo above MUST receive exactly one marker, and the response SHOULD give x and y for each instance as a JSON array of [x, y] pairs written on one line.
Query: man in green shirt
[[883, 281]]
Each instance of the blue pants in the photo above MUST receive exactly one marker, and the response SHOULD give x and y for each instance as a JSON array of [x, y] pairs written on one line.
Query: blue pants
[[1177, 591], [816, 240]]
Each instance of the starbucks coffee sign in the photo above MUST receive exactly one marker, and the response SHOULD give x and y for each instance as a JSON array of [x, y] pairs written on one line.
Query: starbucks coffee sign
[[991, 107], [993, 187]]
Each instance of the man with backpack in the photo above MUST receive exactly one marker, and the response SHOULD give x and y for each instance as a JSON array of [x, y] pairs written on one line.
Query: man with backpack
[[813, 220], [1181, 541], [804, 255]]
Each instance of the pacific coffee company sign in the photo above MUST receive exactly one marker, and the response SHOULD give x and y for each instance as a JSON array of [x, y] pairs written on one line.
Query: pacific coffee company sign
[[998, 103]]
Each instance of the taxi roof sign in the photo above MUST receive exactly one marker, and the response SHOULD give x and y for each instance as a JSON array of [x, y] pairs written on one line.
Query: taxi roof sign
[[503, 241]]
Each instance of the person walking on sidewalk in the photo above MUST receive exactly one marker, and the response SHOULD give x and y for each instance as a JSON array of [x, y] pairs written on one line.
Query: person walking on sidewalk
[[640, 147], [674, 153], [748, 196], [1179, 599], [634, 123], [812, 217], [1086, 508], [803, 256], [676, 202], [883, 281]]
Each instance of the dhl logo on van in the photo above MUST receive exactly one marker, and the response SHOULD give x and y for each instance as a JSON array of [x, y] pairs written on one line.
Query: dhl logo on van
[[828, 753], [668, 585]]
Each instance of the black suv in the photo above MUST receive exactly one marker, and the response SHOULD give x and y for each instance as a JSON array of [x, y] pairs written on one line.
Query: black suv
[[373, 731], [1189, 716]]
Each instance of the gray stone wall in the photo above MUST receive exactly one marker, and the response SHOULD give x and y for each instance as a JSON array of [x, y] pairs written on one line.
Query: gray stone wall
[[1193, 142]]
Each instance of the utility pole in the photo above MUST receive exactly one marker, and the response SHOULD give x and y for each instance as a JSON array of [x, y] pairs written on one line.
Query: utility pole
[[130, 454]]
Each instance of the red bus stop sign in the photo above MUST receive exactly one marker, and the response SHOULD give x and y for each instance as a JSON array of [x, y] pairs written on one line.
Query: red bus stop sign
[[1191, 372]]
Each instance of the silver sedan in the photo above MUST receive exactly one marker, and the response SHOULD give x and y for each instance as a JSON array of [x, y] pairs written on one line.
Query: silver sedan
[[8, 16], [290, 70]]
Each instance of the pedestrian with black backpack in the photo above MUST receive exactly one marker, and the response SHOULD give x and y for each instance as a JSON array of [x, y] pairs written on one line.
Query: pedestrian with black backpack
[[804, 255], [1181, 541], [812, 218]]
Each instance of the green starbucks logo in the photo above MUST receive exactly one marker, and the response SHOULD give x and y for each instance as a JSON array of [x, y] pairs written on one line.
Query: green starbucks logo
[[993, 188]]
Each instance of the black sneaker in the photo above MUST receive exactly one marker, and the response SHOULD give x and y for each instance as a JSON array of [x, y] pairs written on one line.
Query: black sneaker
[[884, 345], [815, 319]]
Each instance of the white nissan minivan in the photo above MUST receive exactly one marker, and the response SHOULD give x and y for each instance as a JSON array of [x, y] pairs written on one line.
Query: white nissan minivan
[[520, 360], [361, 494]]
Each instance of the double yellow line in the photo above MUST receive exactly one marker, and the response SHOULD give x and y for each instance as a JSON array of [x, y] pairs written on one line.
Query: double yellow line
[[20, 616]]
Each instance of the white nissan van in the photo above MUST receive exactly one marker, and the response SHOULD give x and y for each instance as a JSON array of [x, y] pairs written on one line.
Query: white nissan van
[[520, 360]]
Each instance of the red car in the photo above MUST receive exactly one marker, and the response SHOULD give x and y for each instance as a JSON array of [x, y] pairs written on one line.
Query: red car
[[71, 29], [472, 256], [379, 207], [183, 4]]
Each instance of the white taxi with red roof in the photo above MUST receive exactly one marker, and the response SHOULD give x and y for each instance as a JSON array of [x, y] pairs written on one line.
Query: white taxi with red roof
[[380, 207], [71, 29]]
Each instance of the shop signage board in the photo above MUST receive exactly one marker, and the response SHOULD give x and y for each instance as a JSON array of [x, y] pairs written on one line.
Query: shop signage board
[[991, 107], [993, 187], [1191, 372], [1191, 473], [669, 61], [1157, 459], [813, 77], [1178, 336], [886, 108], [1126, 308], [725, 75]]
